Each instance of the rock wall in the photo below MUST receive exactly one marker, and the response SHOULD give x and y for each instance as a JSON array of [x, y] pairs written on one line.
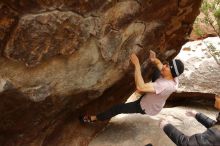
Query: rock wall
[[61, 58]]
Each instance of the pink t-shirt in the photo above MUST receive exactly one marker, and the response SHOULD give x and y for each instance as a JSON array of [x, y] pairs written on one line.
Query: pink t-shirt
[[152, 103]]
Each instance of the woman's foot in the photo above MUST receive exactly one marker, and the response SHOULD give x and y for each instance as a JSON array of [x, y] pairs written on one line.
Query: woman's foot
[[87, 119]]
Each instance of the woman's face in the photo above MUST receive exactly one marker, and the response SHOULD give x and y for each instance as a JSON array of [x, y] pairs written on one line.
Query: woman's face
[[165, 71]]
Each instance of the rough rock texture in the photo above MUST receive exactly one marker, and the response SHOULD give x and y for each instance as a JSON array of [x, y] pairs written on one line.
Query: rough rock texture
[[58, 56], [202, 62]]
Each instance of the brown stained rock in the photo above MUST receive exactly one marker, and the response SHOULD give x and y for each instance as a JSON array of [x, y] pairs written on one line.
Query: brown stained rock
[[121, 14], [44, 35], [8, 20], [90, 52], [38, 37], [36, 6], [64, 58]]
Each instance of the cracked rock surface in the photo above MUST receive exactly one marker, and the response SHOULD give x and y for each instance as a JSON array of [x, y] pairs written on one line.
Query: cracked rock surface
[[62, 58]]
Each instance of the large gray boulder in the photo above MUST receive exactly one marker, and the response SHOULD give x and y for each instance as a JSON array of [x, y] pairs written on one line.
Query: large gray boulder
[[202, 62]]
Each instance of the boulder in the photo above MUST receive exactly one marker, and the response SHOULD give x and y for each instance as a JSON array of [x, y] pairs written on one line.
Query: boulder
[[62, 58], [202, 66]]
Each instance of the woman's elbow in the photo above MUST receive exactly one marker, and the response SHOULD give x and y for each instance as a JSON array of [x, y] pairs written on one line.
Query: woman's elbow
[[139, 88], [145, 89]]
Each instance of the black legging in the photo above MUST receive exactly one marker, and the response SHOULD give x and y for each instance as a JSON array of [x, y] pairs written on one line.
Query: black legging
[[131, 107]]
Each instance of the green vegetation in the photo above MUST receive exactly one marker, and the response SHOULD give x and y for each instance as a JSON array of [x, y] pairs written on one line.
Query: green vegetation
[[209, 20], [210, 11], [197, 29]]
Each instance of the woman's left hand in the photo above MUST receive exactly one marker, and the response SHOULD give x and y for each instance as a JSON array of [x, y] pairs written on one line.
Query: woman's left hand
[[134, 59]]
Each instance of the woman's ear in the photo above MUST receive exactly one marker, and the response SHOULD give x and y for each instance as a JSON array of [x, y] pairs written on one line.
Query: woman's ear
[[217, 102]]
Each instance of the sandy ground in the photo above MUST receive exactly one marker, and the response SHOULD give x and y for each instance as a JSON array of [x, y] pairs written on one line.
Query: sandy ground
[[138, 130]]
